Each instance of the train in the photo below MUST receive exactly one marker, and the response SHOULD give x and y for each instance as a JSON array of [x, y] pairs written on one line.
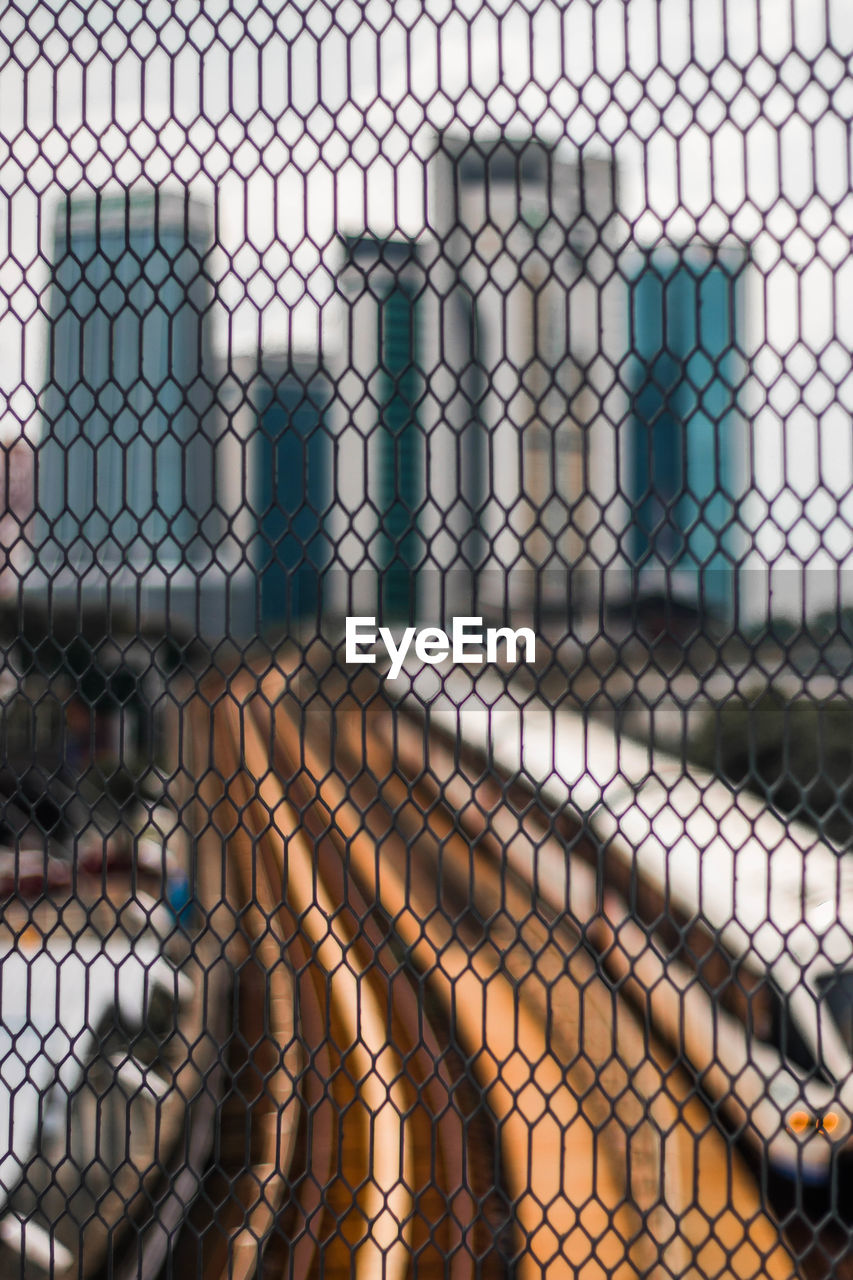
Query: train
[[730, 924]]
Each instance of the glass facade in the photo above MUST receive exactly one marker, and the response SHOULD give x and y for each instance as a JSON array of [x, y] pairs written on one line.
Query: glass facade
[[293, 492], [683, 467], [400, 446], [124, 468]]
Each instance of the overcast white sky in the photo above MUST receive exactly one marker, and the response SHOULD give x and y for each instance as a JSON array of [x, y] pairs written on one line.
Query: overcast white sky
[[728, 118]]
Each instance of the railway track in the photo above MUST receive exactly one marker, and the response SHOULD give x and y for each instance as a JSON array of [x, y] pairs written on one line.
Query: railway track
[[441, 1081]]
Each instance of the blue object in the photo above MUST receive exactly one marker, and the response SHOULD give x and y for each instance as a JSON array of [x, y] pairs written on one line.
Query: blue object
[[685, 317], [400, 443], [293, 495], [179, 898], [126, 466]]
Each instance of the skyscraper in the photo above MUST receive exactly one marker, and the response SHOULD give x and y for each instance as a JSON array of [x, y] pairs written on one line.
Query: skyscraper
[[385, 284], [292, 488], [685, 448], [126, 484], [524, 229]]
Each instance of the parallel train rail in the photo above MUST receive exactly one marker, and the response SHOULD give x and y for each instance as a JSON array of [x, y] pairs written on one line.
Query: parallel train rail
[[444, 1082]]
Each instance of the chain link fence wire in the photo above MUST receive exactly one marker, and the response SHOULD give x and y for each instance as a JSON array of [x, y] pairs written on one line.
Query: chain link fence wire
[[426, 609]]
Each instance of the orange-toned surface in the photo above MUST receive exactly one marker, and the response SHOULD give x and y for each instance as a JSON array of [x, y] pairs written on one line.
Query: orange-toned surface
[[462, 1088]]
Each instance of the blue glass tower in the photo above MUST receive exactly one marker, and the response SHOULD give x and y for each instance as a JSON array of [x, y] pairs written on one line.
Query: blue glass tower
[[387, 284], [683, 457], [126, 463], [293, 491]]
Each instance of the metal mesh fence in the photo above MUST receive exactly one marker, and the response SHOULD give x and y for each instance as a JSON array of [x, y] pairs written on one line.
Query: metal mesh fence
[[427, 779]]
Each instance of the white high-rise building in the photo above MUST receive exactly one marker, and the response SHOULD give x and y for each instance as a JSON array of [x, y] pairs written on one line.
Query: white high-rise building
[[532, 334], [384, 480], [478, 389]]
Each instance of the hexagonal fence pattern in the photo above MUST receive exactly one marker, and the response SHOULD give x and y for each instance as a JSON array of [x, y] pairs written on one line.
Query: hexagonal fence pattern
[[426, 608]]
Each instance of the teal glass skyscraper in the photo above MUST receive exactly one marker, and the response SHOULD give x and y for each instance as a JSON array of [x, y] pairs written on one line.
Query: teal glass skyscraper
[[126, 462], [293, 489], [385, 283], [686, 454]]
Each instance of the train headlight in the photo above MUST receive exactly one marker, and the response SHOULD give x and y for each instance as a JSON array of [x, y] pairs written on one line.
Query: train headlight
[[801, 1121]]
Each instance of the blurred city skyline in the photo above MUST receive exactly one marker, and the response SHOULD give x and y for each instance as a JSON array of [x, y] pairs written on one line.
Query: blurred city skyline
[[727, 123], [328, 128]]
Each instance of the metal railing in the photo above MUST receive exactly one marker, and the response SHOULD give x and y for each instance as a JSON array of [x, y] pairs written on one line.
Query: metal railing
[[427, 518]]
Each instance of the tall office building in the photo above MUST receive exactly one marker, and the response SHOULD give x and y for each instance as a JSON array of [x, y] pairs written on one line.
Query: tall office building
[[126, 468], [292, 489], [523, 231], [279, 407], [685, 466], [382, 481]]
